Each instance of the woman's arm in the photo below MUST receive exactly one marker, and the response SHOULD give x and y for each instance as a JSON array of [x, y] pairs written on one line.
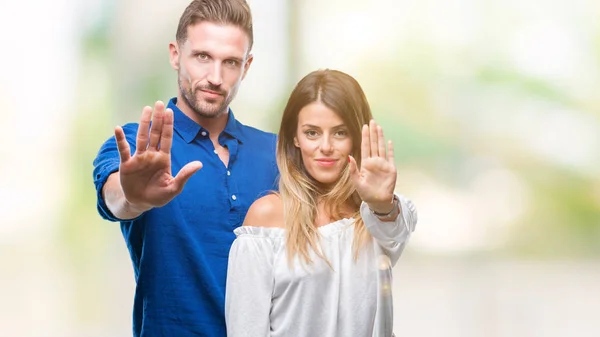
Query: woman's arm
[[250, 271], [249, 287], [392, 234]]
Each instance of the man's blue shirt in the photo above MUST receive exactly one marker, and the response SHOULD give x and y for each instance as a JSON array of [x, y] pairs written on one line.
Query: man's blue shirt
[[180, 251]]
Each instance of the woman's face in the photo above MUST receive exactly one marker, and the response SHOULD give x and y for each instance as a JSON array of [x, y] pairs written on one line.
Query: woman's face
[[324, 142]]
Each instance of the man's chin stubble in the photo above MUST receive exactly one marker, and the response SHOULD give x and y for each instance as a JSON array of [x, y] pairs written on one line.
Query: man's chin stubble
[[213, 114]]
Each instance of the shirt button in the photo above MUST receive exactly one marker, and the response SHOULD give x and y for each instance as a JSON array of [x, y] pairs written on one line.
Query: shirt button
[[234, 197], [228, 173], [204, 133]]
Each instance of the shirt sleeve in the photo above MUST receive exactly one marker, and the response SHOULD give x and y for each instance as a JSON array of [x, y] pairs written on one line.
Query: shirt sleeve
[[250, 282], [274, 165], [392, 236], [107, 162]]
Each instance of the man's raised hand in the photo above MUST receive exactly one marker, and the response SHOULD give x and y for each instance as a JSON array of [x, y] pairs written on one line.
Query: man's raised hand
[[146, 177]]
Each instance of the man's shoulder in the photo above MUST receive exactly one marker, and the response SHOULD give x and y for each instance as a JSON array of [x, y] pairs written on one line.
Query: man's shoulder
[[131, 126], [130, 131], [256, 133]]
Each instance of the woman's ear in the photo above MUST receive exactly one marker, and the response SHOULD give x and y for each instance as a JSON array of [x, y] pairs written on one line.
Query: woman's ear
[[296, 143]]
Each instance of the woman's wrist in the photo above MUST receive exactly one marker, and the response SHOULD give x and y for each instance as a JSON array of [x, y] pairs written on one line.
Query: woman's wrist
[[383, 212]]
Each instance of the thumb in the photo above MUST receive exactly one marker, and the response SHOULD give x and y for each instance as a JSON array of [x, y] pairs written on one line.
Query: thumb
[[185, 174], [353, 167]]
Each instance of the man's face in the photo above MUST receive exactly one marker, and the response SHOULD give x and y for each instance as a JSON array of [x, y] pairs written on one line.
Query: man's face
[[211, 65]]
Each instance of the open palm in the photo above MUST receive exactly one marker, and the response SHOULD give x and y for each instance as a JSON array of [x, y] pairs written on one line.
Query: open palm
[[375, 181], [146, 177]]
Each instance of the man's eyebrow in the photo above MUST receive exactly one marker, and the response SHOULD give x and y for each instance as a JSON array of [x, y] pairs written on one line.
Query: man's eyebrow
[[201, 51]]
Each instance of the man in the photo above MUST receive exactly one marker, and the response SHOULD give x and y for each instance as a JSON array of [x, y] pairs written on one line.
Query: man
[[179, 227]]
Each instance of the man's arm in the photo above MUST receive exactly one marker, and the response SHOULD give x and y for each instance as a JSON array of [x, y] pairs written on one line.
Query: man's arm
[[115, 200]]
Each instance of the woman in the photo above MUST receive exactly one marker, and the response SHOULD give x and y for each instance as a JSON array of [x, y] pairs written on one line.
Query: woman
[[315, 259]]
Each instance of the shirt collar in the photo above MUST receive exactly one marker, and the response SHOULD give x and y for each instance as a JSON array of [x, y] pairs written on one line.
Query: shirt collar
[[189, 129]]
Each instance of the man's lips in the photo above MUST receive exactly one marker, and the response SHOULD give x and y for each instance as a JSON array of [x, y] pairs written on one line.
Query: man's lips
[[210, 92]]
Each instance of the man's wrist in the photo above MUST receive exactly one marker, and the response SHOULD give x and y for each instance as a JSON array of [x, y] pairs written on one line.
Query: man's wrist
[[135, 209]]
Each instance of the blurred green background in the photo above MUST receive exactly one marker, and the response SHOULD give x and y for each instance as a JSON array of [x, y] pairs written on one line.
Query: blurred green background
[[493, 108]]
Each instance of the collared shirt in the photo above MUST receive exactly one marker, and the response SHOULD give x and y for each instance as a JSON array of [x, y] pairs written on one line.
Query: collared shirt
[[180, 251]]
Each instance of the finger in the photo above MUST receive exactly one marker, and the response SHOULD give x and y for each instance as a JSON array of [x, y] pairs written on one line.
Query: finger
[[141, 141], [380, 142], [353, 167], [373, 138], [185, 174], [122, 144], [365, 149], [391, 153], [157, 125], [166, 139]]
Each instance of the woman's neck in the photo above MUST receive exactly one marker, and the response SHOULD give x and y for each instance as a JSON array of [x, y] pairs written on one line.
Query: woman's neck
[[325, 215]]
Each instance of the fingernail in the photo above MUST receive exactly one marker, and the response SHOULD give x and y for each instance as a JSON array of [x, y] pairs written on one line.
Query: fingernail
[[348, 159]]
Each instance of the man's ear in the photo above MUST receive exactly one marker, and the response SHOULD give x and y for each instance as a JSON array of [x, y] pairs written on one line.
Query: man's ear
[[174, 55], [247, 65]]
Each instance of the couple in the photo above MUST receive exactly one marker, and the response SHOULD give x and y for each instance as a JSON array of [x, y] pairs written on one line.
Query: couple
[[256, 234]]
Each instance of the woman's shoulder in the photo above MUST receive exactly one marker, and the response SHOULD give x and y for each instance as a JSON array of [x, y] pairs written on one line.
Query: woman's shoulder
[[265, 212]]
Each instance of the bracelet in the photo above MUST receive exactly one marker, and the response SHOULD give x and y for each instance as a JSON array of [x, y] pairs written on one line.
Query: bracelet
[[383, 215]]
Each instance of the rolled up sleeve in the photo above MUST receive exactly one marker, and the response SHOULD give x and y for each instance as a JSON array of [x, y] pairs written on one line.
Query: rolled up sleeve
[[106, 163]]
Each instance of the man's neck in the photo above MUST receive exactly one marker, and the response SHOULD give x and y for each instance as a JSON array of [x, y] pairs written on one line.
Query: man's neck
[[214, 126]]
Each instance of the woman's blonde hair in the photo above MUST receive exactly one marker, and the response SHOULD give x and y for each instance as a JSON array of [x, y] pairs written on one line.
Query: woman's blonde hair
[[301, 193]]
